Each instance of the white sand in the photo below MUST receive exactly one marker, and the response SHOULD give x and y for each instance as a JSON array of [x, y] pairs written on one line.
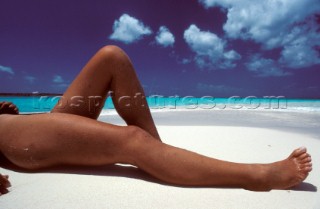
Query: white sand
[[241, 136]]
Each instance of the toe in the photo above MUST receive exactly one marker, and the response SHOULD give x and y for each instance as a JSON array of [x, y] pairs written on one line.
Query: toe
[[308, 164], [303, 156], [298, 152], [305, 165], [306, 160]]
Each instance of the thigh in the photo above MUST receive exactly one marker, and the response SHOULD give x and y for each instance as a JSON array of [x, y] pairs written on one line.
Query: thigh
[[39, 141], [87, 93]]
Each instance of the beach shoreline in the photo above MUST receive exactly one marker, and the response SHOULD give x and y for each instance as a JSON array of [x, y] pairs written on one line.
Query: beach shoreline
[[296, 121]]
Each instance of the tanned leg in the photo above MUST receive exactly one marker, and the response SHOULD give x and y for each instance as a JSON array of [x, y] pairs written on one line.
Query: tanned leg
[[109, 69], [74, 140]]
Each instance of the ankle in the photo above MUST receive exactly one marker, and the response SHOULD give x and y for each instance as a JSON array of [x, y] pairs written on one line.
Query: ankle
[[259, 175]]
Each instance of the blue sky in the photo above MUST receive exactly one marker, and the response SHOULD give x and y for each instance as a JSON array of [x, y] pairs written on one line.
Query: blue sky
[[216, 48]]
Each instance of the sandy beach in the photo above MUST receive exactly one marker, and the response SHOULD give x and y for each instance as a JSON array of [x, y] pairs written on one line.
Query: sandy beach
[[247, 136]]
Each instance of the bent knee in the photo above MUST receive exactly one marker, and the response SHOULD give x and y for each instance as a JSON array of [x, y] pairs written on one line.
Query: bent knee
[[138, 134], [112, 52]]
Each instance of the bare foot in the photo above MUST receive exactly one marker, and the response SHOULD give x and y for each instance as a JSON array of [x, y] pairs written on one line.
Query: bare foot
[[284, 174]]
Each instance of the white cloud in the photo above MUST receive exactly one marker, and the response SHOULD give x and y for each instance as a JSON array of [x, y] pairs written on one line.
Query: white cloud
[[129, 29], [275, 24], [262, 20], [210, 49], [30, 79], [6, 70], [300, 56], [212, 3], [204, 43], [300, 52], [230, 58], [57, 79], [264, 67], [165, 37]]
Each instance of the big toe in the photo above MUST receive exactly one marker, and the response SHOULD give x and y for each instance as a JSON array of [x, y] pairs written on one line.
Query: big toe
[[298, 152]]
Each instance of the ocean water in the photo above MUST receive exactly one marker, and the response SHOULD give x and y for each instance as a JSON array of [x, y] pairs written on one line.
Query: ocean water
[[158, 103]]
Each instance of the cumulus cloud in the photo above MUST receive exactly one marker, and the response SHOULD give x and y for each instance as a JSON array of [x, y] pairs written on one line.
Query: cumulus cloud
[[6, 70], [299, 56], [301, 51], [129, 29], [262, 20], [264, 67], [230, 57], [165, 37], [57, 79], [275, 24], [210, 49]]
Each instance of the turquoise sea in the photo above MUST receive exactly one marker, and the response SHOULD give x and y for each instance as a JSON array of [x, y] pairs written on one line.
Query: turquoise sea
[[38, 104]]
